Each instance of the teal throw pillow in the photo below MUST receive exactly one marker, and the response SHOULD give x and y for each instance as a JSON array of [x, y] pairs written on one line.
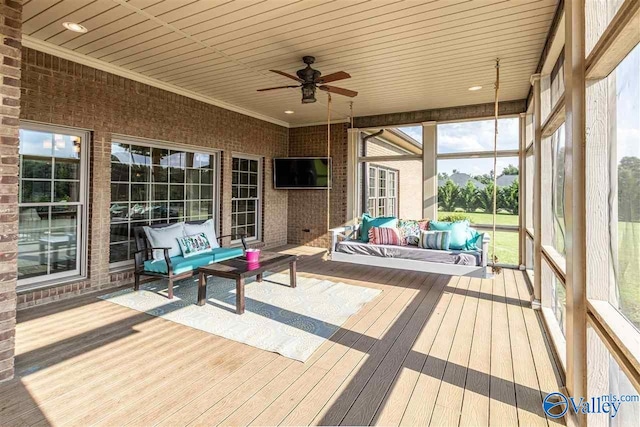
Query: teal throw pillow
[[381, 222], [474, 241], [459, 232]]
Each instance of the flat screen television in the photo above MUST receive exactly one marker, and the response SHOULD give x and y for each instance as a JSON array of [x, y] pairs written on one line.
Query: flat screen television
[[302, 173]]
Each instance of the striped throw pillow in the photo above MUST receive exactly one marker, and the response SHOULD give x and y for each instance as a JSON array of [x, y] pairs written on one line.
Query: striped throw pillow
[[435, 240], [385, 236]]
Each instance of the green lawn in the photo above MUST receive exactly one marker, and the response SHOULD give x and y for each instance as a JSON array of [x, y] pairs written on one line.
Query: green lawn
[[628, 255], [506, 241], [485, 218], [629, 270]]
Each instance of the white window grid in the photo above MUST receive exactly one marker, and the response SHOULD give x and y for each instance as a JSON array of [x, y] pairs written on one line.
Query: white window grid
[[246, 196], [157, 185], [382, 191]]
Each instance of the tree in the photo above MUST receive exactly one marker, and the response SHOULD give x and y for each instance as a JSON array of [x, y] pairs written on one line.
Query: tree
[[508, 197], [484, 197], [628, 194], [467, 199], [510, 170], [448, 196], [443, 175]]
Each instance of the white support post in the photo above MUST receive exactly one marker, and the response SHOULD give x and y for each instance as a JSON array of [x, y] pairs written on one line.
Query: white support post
[[575, 205], [353, 139], [429, 170], [537, 193], [522, 211]]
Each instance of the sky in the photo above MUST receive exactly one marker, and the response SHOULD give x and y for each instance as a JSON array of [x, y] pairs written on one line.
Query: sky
[[464, 137], [628, 105]]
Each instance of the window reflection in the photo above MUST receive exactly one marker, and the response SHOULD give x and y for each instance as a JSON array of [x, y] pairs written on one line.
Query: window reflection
[[50, 203], [155, 185]]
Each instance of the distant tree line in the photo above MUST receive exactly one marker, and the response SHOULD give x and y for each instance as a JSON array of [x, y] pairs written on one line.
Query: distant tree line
[[471, 197]]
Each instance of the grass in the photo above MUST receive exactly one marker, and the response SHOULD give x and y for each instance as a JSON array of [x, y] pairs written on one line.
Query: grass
[[506, 241], [507, 248], [485, 218], [629, 270]]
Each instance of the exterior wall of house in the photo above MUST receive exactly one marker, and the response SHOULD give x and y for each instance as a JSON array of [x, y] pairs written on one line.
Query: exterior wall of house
[[409, 178], [307, 223], [60, 92], [10, 56]]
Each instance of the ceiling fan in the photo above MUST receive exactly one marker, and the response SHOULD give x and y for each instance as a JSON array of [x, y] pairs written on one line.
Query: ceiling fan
[[311, 79]]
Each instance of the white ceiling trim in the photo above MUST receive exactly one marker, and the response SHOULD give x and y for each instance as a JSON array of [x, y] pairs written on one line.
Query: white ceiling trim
[[71, 55], [333, 122]]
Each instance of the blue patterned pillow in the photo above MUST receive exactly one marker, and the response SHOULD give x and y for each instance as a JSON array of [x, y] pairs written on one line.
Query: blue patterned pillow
[[194, 244], [435, 240], [410, 230]]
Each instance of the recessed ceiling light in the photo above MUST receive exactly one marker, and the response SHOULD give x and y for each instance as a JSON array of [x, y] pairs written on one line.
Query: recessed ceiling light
[[288, 112], [76, 28], [475, 88]]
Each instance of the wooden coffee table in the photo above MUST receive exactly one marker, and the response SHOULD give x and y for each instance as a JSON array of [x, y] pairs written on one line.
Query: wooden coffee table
[[239, 270]]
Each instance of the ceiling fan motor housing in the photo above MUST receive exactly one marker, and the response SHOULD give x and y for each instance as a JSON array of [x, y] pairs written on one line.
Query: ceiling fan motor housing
[[308, 93]]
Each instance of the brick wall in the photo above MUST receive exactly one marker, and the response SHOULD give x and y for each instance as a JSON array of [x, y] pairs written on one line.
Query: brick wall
[[409, 177], [61, 92], [308, 208], [10, 55]]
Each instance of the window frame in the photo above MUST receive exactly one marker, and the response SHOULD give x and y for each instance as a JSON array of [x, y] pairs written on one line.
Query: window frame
[[82, 228], [167, 145], [259, 199], [389, 171]]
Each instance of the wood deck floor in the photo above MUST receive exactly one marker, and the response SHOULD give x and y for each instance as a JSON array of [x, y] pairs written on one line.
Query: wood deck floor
[[431, 349]]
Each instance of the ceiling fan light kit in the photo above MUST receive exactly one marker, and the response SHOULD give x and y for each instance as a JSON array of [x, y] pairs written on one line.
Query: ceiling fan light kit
[[310, 80]]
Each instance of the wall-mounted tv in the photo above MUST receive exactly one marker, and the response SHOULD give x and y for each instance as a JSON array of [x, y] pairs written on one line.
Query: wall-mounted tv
[[302, 173]]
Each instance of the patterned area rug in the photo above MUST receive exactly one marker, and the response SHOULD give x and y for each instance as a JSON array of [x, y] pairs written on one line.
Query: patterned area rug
[[292, 322]]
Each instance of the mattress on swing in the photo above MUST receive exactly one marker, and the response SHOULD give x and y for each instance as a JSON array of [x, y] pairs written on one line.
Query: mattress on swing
[[355, 247]]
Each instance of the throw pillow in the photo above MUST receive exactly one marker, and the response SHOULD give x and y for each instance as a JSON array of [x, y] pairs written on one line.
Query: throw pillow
[[459, 232], [165, 237], [435, 240], [208, 228], [474, 241], [385, 236], [410, 230], [368, 222], [194, 245]]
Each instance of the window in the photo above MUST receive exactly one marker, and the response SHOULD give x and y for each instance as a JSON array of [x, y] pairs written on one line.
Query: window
[[152, 184], [557, 190], [465, 186], [554, 308], [529, 186], [245, 197], [52, 203], [625, 210], [477, 136], [606, 378], [382, 191]]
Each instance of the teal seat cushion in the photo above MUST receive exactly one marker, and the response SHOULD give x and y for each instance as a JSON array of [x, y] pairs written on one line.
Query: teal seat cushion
[[181, 264], [459, 232], [381, 221]]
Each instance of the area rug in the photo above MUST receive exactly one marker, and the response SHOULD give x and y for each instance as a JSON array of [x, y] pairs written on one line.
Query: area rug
[[278, 318]]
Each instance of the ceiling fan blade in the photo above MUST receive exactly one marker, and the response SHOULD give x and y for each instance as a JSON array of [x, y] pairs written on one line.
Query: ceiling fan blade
[[282, 73], [274, 88], [340, 75], [339, 90]]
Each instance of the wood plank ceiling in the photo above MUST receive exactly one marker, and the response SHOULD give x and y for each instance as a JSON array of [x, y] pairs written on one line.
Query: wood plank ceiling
[[402, 55]]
